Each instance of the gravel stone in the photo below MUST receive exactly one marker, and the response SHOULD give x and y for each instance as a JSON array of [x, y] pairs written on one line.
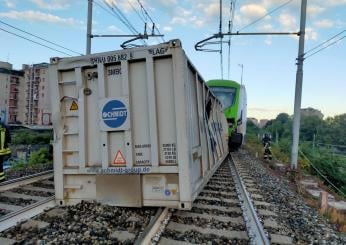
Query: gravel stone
[[298, 221]]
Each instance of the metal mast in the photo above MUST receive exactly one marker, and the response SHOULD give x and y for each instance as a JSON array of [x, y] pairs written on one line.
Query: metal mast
[[299, 84], [89, 26]]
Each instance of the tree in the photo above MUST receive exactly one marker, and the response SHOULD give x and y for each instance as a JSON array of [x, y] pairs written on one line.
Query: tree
[[251, 128], [310, 126]]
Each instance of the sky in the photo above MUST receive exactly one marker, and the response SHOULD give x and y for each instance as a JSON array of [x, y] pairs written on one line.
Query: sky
[[269, 62]]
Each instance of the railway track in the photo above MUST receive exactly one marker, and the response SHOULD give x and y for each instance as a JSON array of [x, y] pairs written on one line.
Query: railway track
[[25, 197], [229, 210], [223, 213]]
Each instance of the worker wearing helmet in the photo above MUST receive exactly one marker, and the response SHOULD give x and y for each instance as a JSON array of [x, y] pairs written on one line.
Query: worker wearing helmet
[[5, 151], [266, 140]]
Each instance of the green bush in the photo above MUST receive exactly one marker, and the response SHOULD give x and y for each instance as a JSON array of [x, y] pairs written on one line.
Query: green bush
[[28, 137], [18, 165], [39, 157]]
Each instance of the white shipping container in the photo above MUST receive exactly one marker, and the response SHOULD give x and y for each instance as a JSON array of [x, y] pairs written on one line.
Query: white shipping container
[[135, 127]]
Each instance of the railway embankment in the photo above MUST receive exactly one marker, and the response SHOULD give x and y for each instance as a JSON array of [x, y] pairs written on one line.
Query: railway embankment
[[296, 214]]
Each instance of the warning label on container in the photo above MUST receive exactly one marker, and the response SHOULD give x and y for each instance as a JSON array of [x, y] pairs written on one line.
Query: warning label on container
[[170, 153], [74, 106], [119, 159]]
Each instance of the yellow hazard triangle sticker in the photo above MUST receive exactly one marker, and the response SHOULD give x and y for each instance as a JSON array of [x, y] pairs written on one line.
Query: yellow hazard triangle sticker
[[74, 106], [119, 159]]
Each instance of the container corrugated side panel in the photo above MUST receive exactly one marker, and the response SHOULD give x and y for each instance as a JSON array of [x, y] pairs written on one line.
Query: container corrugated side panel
[[113, 88], [166, 111], [193, 125], [138, 84]]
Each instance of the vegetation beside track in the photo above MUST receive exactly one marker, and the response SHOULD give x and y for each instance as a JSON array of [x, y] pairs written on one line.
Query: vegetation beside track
[[322, 144]]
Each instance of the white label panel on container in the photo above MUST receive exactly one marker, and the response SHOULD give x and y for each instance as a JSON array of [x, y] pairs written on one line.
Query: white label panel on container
[[114, 114]]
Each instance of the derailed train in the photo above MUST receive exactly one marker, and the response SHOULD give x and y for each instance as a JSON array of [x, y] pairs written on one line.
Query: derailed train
[[136, 127]]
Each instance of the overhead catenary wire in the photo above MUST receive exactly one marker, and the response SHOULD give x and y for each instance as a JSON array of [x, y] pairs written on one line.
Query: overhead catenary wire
[[124, 18], [136, 11], [325, 44], [41, 44], [105, 9], [38, 37], [147, 14], [109, 9], [220, 31], [119, 17], [230, 27], [330, 44], [267, 14]]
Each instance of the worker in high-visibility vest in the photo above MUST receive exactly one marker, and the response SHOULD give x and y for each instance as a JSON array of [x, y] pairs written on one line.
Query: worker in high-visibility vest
[[5, 151]]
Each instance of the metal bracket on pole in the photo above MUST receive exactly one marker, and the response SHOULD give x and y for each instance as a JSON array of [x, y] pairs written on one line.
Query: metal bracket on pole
[[199, 46], [126, 44]]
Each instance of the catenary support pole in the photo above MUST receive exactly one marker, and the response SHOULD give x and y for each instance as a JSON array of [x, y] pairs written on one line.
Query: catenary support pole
[[89, 26], [242, 70], [298, 91]]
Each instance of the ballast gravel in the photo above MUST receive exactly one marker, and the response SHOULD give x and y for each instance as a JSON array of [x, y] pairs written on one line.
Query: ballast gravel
[[299, 221], [17, 173], [85, 223]]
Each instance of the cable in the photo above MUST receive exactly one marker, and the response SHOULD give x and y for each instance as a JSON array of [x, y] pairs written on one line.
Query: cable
[[146, 13], [115, 14], [269, 13], [35, 42], [325, 42], [39, 37], [124, 18], [136, 11], [129, 26], [330, 44], [221, 44], [230, 28], [321, 174], [105, 9]]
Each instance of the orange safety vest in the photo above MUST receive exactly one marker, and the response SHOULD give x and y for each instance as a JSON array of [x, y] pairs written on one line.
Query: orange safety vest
[[3, 151]]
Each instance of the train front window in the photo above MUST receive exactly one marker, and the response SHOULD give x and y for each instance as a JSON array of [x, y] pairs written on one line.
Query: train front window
[[225, 95]]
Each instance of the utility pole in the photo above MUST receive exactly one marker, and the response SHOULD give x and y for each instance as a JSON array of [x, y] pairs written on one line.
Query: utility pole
[[298, 91], [89, 26], [241, 77]]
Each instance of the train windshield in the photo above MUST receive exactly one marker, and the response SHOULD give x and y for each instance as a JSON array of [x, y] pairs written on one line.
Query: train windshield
[[225, 95]]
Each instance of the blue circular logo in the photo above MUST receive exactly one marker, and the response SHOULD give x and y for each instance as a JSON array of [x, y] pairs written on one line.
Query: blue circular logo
[[167, 192], [114, 113]]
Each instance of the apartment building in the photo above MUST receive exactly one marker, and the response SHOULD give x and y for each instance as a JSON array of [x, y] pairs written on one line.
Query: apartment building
[[37, 104], [12, 100], [24, 95]]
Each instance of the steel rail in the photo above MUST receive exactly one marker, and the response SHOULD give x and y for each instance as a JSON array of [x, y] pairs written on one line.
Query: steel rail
[[14, 183], [153, 228], [255, 229], [11, 219]]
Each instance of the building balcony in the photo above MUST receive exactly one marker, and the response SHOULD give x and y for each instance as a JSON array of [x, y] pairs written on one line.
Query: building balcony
[[13, 90]]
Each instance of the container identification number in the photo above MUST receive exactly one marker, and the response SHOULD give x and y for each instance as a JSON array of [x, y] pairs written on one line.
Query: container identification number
[[111, 58]]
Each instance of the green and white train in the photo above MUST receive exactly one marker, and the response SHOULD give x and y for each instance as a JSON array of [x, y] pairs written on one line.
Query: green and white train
[[233, 98]]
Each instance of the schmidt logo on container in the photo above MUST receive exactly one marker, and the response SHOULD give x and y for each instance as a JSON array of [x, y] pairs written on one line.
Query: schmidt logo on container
[[114, 113]]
